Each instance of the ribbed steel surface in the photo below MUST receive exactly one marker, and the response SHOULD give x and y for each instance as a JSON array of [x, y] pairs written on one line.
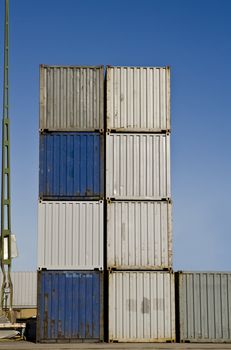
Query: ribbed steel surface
[[205, 306], [139, 235], [138, 98], [141, 307], [70, 306], [71, 166], [71, 98], [70, 235], [24, 289], [138, 166]]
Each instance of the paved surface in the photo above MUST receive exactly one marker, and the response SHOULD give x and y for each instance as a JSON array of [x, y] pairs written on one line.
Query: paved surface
[[21, 345]]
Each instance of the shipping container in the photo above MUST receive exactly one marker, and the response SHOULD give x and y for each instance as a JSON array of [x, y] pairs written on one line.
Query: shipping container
[[71, 98], [139, 235], [70, 235], [141, 306], [70, 306], [138, 166], [71, 166], [138, 99], [24, 289], [204, 306]]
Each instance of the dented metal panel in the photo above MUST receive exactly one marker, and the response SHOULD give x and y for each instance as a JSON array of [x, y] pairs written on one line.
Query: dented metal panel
[[138, 98], [139, 235], [70, 235], [71, 166], [141, 306], [71, 98], [70, 306], [24, 289], [138, 166], [205, 306]]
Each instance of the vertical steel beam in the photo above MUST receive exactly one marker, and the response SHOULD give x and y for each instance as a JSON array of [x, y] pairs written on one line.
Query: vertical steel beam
[[7, 287]]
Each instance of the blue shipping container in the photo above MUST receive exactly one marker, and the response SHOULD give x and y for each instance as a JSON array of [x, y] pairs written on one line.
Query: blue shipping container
[[71, 166], [70, 306]]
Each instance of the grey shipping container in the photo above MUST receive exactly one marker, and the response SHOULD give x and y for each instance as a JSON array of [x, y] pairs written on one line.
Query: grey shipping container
[[70, 235], [71, 98], [70, 306], [138, 166], [24, 289], [204, 306], [141, 306], [138, 99], [139, 235]]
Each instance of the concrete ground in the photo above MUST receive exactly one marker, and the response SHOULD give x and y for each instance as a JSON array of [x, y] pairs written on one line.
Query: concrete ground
[[23, 345]]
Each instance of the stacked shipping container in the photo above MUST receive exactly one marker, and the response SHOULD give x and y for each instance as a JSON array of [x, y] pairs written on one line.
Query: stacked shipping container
[[71, 208], [139, 232]]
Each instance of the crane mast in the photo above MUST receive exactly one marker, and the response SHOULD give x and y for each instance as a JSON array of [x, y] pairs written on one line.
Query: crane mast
[[5, 248]]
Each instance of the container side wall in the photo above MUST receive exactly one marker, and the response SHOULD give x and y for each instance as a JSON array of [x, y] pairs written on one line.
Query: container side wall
[[71, 98], [139, 235], [71, 166], [205, 311], [138, 99], [70, 235], [69, 306], [141, 306], [24, 289], [138, 166]]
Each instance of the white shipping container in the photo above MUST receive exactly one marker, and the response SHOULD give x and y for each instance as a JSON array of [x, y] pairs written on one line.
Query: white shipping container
[[24, 289], [138, 166], [71, 98], [70, 235], [139, 235], [138, 98], [141, 306]]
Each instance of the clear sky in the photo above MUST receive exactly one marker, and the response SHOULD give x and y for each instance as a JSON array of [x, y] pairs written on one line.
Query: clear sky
[[194, 38]]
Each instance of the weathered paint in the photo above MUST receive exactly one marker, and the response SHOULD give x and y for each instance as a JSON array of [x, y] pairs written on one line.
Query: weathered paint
[[139, 235], [70, 235], [141, 306], [138, 99], [70, 306], [24, 289], [71, 166], [138, 166], [71, 98], [205, 306]]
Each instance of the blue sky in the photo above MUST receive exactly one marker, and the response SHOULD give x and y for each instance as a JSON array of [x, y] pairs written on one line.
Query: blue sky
[[193, 37]]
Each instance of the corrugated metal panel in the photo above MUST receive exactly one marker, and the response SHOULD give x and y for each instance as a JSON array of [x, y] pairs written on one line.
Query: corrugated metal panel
[[139, 235], [71, 166], [24, 289], [71, 98], [70, 306], [138, 98], [205, 306], [138, 166], [70, 235], [141, 307]]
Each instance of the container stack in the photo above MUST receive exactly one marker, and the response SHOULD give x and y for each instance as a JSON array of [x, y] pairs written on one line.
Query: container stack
[[139, 234], [71, 207]]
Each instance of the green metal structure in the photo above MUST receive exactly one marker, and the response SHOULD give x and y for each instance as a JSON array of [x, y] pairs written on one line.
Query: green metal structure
[[5, 248]]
